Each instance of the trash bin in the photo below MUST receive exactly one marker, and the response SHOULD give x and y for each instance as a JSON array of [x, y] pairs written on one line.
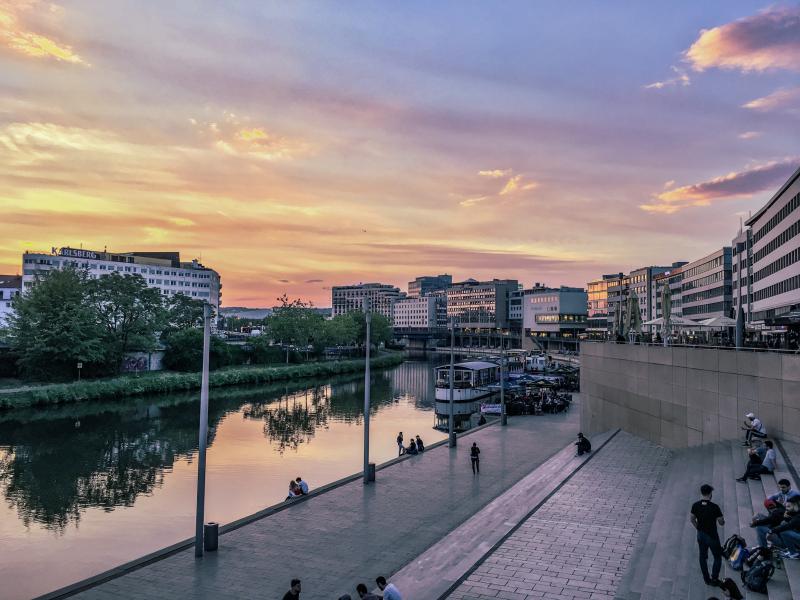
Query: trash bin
[[371, 472], [211, 536]]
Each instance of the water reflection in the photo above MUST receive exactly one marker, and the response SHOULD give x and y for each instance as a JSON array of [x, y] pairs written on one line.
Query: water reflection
[[57, 463]]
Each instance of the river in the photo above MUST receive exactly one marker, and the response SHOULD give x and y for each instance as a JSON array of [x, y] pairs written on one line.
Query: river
[[90, 486]]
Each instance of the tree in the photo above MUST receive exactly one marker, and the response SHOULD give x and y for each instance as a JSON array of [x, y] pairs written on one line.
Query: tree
[[341, 330], [295, 323], [53, 327], [129, 312], [183, 312], [184, 351], [380, 330]]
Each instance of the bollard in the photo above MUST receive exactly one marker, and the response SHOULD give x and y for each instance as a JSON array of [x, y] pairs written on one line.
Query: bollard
[[211, 536], [370, 475], [453, 439]]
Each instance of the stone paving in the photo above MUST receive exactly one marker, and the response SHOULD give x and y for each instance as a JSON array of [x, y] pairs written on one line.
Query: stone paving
[[579, 543], [354, 533]]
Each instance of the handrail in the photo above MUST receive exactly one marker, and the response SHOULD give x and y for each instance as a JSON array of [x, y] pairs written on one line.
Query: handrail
[[702, 346]]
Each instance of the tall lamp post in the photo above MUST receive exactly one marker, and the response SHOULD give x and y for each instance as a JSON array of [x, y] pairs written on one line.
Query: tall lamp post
[[503, 414], [451, 431], [369, 469], [203, 435]]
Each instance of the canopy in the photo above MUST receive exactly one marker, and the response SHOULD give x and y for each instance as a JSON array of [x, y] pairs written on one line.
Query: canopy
[[676, 321], [721, 322]]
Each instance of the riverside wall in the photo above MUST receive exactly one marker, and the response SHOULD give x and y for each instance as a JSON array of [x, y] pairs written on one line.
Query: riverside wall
[[679, 397]]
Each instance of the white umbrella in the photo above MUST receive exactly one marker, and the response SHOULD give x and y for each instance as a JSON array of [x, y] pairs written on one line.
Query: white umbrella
[[673, 321], [720, 322]]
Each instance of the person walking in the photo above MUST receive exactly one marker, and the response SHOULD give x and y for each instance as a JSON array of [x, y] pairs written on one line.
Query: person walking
[[705, 515], [400, 448], [475, 458], [753, 428], [294, 591]]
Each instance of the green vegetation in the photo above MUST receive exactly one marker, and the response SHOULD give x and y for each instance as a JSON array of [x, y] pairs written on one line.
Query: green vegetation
[[123, 386]]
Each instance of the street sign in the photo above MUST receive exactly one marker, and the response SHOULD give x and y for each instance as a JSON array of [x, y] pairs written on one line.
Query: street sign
[[80, 365]]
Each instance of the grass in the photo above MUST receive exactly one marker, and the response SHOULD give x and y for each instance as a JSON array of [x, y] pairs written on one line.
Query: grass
[[155, 383]]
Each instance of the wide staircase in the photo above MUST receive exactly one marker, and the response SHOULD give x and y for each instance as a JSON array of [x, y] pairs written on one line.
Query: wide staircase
[[665, 564]]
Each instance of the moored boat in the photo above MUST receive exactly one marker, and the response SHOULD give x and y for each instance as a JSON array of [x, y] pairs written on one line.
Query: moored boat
[[472, 381]]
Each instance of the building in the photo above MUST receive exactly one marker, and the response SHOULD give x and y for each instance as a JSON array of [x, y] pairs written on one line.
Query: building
[[423, 286], [481, 312], [349, 298], [674, 279], [415, 314], [706, 290], [608, 299], [10, 286], [161, 270], [766, 257], [597, 298], [555, 317]]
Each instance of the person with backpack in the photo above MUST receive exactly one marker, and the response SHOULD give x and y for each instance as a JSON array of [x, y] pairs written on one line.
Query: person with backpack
[[705, 515], [787, 534]]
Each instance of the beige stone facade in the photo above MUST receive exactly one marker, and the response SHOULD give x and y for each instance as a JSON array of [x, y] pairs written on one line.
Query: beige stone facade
[[680, 397]]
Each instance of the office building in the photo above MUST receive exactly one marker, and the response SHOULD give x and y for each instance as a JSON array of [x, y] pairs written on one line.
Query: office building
[[349, 298], [480, 304], [598, 312], [706, 286], [423, 286], [161, 270], [766, 261], [555, 317], [415, 314], [10, 286]]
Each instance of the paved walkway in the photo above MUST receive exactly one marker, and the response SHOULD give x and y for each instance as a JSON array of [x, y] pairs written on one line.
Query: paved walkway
[[578, 544], [355, 533]]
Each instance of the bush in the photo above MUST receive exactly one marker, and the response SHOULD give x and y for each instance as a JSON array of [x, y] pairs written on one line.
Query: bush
[[119, 387], [184, 351]]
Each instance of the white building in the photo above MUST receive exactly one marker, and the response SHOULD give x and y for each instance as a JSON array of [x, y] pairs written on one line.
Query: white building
[[10, 286], [555, 317], [349, 298], [161, 270], [415, 313], [766, 259]]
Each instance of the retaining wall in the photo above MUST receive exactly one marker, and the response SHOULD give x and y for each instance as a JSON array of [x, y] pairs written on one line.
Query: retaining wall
[[680, 397]]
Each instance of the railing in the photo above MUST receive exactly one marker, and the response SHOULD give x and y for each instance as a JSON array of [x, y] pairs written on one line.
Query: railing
[[703, 346]]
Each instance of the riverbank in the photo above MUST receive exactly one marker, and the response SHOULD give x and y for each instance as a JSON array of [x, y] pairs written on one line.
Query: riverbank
[[131, 386]]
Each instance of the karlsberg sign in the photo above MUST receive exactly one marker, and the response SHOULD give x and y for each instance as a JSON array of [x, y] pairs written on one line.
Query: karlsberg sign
[[74, 253]]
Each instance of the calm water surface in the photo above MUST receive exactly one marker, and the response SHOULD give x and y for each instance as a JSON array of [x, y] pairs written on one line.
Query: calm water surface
[[88, 487]]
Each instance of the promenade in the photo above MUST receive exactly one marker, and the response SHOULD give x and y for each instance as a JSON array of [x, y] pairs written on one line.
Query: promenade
[[354, 532]]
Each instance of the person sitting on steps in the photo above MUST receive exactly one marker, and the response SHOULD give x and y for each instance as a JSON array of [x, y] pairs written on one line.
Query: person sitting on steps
[[756, 467], [753, 428], [583, 444]]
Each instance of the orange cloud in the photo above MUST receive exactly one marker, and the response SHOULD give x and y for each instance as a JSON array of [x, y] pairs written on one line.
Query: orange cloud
[[231, 136], [765, 41], [495, 173], [16, 37], [788, 98], [733, 185]]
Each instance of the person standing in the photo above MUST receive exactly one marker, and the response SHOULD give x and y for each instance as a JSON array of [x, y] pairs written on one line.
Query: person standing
[[475, 458], [400, 448], [294, 591], [705, 515]]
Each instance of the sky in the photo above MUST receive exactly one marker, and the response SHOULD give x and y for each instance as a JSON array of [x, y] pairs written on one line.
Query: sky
[[293, 146]]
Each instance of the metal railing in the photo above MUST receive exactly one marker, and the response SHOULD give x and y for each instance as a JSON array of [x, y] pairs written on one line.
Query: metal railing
[[702, 346]]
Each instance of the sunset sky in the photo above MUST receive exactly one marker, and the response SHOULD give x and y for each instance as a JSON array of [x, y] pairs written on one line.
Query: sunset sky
[[299, 145]]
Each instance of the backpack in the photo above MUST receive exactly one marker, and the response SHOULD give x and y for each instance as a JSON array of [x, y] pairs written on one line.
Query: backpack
[[756, 578], [756, 554], [731, 544], [738, 557]]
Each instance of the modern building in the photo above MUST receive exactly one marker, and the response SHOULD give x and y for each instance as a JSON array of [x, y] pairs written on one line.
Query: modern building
[[766, 257], [349, 298], [609, 295], [598, 311], [161, 270], [481, 311], [10, 286], [415, 314], [674, 279], [422, 286], [706, 286], [555, 317]]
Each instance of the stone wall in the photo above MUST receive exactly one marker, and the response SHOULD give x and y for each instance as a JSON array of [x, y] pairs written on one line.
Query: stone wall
[[679, 397]]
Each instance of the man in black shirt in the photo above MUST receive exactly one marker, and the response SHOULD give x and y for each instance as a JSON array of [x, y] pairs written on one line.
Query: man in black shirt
[[294, 591], [705, 516]]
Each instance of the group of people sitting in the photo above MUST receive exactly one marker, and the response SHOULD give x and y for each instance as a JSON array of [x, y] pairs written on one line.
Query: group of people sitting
[[297, 487], [415, 446], [780, 527], [762, 457]]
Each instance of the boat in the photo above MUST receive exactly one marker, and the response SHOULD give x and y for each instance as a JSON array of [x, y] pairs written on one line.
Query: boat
[[538, 363], [472, 381]]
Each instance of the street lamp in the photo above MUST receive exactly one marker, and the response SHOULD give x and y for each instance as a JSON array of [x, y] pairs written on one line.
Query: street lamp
[[503, 414], [369, 469], [450, 416], [203, 435]]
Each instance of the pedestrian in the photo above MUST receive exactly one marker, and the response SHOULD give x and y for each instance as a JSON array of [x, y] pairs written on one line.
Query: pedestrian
[[583, 444], [705, 515], [400, 448], [364, 594], [475, 458], [787, 534], [294, 591], [303, 486], [390, 591], [753, 427], [757, 468], [420, 445], [482, 420]]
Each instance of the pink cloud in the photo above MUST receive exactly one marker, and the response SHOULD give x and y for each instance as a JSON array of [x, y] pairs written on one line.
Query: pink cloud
[[787, 98], [733, 185], [764, 41]]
